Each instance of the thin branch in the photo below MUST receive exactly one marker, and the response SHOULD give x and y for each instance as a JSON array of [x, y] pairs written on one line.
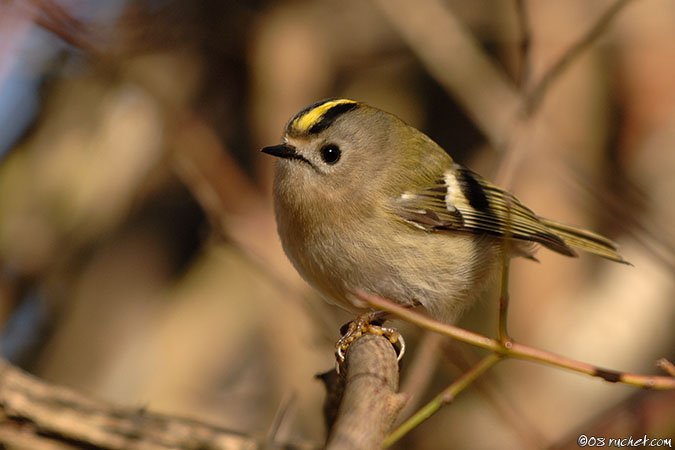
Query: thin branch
[[445, 397], [525, 44], [455, 59], [490, 388], [538, 92], [512, 349], [420, 371], [56, 19], [666, 366], [281, 418], [503, 310], [502, 327]]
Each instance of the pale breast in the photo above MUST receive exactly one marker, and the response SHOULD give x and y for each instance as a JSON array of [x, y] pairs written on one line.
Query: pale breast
[[443, 271]]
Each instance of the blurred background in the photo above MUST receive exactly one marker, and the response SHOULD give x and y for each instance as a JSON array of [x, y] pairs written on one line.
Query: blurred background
[[139, 260]]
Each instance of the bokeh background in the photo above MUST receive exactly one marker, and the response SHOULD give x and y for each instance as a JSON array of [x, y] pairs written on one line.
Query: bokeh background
[[139, 260]]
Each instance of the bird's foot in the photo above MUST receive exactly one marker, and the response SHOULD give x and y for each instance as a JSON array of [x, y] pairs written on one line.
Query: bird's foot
[[369, 323]]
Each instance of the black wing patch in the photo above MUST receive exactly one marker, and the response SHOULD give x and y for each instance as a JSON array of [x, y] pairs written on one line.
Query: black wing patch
[[463, 201], [472, 189]]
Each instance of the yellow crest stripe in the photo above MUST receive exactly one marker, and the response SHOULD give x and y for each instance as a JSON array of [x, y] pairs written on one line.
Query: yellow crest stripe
[[306, 120]]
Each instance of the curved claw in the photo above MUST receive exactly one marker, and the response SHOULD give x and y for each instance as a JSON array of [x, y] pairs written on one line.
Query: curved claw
[[400, 348], [340, 356], [362, 326]]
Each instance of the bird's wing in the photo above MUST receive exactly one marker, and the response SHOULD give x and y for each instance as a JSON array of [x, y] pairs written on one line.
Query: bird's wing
[[461, 200]]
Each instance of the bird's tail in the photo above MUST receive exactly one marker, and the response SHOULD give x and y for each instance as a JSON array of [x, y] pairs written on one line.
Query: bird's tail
[[586, 240]]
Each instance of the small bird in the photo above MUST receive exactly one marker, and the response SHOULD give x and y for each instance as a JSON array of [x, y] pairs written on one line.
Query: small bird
[[365, 202]]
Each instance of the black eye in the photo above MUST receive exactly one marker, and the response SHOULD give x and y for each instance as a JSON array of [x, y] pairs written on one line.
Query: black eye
[[330, 153]]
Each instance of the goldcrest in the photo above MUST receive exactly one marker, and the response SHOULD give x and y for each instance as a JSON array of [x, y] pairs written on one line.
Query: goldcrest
[[364, 201]]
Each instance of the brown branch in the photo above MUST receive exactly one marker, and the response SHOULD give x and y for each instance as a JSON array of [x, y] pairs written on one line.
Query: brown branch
[[666, 366], [57, 20], [536, 95], [370, 403], [37, 415], [520, 351], [525, 68], [455, 59]]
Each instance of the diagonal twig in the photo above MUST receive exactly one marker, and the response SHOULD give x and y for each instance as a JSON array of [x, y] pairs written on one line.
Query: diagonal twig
[[535, 96], [525, 68], [512, 349], [446, 396]]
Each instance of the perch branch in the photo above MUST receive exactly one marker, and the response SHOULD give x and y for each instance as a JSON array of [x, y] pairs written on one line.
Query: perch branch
[[370, 403]]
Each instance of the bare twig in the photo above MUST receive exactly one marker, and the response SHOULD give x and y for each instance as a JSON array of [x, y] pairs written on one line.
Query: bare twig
[[490, 388], [525, 43], [55, 19], [538, 92], [666, 366], [276, 433], [370, 403], [445, 397], [420, 371], [515, 350], [454, 58], [502, 326]]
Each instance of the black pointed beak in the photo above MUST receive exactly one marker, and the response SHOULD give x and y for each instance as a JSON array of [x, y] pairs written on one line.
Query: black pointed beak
[[285, 151], [281, 151]]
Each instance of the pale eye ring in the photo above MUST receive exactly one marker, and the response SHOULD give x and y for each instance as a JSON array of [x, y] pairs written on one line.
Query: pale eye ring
[[330, 153]]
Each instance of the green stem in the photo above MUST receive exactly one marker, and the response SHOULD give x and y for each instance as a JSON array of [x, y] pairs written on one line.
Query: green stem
[[443, 398]]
